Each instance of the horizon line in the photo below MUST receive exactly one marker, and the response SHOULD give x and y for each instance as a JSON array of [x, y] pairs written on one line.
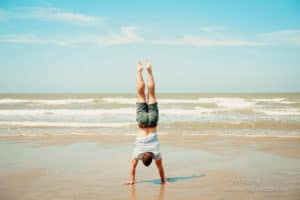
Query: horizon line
[[28, 93]]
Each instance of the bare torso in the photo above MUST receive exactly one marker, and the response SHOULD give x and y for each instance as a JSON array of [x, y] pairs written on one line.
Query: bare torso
[[143, 132]]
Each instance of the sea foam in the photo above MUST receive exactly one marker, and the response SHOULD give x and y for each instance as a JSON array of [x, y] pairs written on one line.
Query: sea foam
[[74, 112], [45, 124], [46, 101]]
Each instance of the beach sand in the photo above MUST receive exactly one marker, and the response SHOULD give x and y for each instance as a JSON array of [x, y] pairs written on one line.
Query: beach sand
[[198, 167]]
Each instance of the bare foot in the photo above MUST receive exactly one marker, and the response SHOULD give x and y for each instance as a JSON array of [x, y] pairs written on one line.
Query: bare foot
[[149, 66], [139, 66]]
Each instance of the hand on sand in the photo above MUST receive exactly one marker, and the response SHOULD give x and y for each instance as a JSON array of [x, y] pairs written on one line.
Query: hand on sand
[[139, 66], [129, 182]]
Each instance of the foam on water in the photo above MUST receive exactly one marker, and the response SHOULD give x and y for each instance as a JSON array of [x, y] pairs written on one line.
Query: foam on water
[[46, 101], [93, 134], [187, 112], [197, 111], [120, 100], [225, 102], [279, 112], [160, 101], [241, 135], [230, 103], [274, 100], [132, 101], [74, 112], [203, 110], [180, 101], [116, 111], [33, 124]]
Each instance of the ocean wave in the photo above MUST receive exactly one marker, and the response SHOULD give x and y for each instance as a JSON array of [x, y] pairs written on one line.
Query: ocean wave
[[235, 125], [195, 111], [279, 112], [198, 111], [240, 135], [119, 100], [74, 112], [46, 101], [230, 103], [40, 124], [224, 102], [275, 100], [209, 110], [160, 101], [99, 112], [54, 135], [71, 134], [129, 134]]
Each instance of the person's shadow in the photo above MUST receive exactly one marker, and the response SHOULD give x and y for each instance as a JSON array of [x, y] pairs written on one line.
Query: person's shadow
[[172, 179]]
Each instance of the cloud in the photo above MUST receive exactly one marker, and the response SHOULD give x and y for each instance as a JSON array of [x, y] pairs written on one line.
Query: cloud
[[210, 36], [51, 14], [204, 41], [33, 39], [284, 37], [19, 38], [128, 35]]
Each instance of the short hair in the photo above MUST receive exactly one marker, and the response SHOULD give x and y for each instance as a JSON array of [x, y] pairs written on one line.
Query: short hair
[[147, 158]]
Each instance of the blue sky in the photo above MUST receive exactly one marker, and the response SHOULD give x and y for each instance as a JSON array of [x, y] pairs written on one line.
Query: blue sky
[[195, 46]]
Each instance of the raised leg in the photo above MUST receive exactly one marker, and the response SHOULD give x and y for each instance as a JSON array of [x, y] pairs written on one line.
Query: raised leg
[[151, 84], [141, 98]]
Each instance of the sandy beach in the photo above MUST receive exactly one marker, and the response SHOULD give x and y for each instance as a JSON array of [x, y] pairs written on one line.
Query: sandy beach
[[197, 167], [87, 87]]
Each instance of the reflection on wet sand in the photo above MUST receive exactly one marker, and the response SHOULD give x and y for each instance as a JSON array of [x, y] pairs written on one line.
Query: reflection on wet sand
[[160, 196]]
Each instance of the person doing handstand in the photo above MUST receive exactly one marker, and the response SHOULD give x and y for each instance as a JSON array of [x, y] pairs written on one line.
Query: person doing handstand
[[147, 114]]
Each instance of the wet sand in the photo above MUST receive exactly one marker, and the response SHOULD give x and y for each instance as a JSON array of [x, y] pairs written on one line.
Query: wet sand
[[198, 167]]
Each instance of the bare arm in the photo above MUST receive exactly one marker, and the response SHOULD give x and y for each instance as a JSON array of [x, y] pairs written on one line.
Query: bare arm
[[161, 171], [134, 163]]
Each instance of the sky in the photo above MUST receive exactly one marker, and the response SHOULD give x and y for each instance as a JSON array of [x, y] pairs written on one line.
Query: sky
[[92, 46]]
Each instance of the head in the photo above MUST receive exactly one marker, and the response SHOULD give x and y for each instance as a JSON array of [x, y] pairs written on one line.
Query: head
[[147, 158]]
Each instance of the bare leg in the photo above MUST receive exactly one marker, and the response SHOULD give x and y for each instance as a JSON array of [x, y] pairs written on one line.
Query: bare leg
[[141, 98], [151, 84]]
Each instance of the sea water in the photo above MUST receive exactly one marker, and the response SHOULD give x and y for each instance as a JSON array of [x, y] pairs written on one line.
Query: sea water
[[188, 114]]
